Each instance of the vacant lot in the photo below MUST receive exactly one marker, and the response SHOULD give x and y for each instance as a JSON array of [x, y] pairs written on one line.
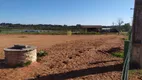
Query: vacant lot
[[69, 57], [41, 41], [44, 41]]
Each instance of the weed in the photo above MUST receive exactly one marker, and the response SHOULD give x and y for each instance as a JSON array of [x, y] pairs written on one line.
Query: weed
[[42, 53], [23, 64], [27, 63], [138, 72], [118, 54]]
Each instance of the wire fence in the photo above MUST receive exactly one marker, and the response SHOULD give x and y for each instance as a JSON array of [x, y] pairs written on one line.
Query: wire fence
[[125, 71]]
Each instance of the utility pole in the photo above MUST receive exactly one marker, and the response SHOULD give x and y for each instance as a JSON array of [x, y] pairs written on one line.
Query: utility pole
[[136, 57]]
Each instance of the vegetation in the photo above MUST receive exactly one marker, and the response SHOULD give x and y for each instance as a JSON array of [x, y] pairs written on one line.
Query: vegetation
[[88, 33], [118, 54], [27, 63], [135, 72], [9, 28], [42, 53], [69, 32], [23, 64], [121, 26]]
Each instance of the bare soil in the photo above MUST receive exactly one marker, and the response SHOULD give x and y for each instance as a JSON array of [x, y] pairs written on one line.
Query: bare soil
[[69, 57]]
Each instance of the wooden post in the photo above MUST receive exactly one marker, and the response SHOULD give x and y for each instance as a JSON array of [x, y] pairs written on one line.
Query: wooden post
[[136, 57]]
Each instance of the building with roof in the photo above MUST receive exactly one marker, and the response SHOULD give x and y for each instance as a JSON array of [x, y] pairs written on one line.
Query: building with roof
[[92, 28], [99, 28]]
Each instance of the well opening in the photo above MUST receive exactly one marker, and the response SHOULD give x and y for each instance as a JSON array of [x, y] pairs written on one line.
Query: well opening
[[18, 47]]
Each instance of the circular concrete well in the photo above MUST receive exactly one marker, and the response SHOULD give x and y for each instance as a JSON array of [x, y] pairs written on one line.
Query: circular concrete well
[[20, 54]]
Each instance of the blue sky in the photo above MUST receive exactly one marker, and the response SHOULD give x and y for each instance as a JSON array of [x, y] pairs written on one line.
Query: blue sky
[[70, 12]]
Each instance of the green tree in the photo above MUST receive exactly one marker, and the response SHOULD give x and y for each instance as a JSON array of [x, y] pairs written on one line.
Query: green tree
[[126, 27]]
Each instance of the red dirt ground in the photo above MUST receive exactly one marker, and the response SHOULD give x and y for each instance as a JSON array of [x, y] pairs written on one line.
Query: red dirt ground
[[69, 57]]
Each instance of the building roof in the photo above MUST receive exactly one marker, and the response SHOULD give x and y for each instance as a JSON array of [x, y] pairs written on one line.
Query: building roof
[[91, 26], [106, 28]]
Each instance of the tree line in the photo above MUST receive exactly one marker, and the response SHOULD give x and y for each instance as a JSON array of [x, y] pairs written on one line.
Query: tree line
[[38, 26], [120, 26]]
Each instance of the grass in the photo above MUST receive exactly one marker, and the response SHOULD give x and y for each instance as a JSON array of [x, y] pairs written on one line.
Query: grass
[[124, 33], [23, 64], [135, 72], [118, 54], [87, 33], [27, 63], [126, 38], [69, 33], [49, 33]]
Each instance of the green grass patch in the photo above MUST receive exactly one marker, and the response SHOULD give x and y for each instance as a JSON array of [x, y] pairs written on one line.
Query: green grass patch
[[118, 54], [135, 72]]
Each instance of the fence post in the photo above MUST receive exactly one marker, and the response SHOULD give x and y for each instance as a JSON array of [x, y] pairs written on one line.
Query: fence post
[[126, 47]]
